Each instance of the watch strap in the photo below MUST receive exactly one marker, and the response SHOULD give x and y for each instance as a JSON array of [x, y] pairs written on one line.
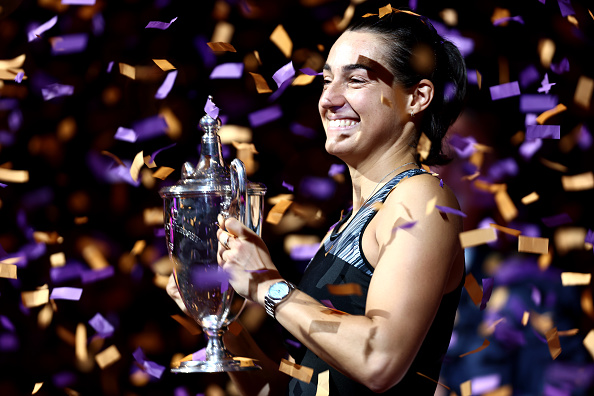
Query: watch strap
[[270, 303]]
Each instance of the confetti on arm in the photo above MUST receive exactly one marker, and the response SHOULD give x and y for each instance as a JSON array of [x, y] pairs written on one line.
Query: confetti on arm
[[297, 371], [346, 289], [477, 236], [575, 278], [537, 245], [160, 25], [483, 346], [281, 39], [446, 209]]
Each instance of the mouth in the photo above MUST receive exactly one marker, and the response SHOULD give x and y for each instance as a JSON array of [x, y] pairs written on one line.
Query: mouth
[[342, 123]]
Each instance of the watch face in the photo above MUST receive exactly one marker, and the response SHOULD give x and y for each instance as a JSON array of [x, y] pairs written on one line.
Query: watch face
[[278, 290]]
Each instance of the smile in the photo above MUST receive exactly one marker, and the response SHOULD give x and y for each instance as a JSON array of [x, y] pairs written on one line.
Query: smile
[[341, 123]]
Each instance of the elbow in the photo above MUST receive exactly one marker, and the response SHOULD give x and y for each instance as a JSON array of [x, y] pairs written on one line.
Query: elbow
[[383, 374]]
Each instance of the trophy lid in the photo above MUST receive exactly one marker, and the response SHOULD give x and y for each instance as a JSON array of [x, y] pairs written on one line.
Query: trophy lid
[[210, 175]]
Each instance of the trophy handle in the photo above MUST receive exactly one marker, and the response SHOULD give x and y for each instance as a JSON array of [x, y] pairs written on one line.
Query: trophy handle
[[239, 190]]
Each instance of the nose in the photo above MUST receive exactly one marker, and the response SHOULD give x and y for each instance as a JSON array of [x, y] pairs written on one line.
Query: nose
[[332, 97]]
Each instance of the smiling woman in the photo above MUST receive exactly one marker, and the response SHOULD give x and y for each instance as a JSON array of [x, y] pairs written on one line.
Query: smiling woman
[[375, 307]]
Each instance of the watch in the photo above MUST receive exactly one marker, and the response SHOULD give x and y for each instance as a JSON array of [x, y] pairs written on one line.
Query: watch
[[277, 293]]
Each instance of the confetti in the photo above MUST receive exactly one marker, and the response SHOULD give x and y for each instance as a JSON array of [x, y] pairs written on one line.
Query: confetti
[[528, 244], [160, 25], [575, 279], [506, 230], [553, 342], [56, 90], [446, 209], [543, 132], [164, 64], [423, 147], [281, 39], [69, 44], [474, 290], [487, 290], [264, 116], [580, 182], [506, 90], [163, 172], [8, 271], [38, 31], [323, 388], [126, 135], [261, 84], [346, 289], [35, 298], [530, 198], [221, 47], [583, 92], [284, 74], [297, 371], [107, 357], [466, 388], [506, 207], [127, 70], [136, 165], [477, 237], [589, 342], [101, 325], [483, 346], [66, 293], [531, 103], [165, 88]]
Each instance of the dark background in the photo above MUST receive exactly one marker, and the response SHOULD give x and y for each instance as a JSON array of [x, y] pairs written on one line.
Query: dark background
[[69, 179]]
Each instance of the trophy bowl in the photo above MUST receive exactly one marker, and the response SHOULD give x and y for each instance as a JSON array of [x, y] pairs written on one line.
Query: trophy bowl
[[193, 209]]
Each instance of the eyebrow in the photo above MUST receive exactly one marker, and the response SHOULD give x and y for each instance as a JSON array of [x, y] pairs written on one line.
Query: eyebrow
[[352, 66]]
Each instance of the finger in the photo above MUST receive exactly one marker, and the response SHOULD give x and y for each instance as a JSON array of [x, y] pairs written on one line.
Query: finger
[[236, 228]]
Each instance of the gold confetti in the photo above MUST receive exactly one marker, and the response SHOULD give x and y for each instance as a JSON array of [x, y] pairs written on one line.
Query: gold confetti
[[544, 116], [163, 172], [174, 128], [583, 181], [244, 361], [127, 70], [13, 63], [569, 238], [553, 342], [281, 39], [297, 371], [138, 247], [431, 379], [235, 133], [477, 236], [136, 165], [525, 318], [589, 342], [345, 289], [485, 344], [546, 49], [474, 290], [568, 333], [506, 230], [303, 79], [430, 206], [81, 220], [506, 207], [385, 10], [80, 346], [575, 278], [14, 176], [479, 79], [35, 298], [153, 216], [94, 257], [261, 84], [528, 244], [107, 357], [221, 47], [164, 64], [36, 388], [583, 92], [530, 198], [323, 388], [423, 147], [47, 237], [223, 32], [553, 165], [114, 157], [466, 388], [58, 259], [8, 271], [188, 324], [276, 213]]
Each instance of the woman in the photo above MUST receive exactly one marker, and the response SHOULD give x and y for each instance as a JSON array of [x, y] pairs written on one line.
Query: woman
[[384, 83]]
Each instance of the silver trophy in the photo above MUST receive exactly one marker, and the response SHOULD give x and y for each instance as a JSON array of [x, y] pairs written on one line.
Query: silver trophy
[[193, 209]]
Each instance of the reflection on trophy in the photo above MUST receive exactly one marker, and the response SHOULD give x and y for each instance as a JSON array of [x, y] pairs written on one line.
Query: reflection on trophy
[[193, 208]]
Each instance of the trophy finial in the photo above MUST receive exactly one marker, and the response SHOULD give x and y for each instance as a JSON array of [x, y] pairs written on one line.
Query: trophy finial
[[210, 123]]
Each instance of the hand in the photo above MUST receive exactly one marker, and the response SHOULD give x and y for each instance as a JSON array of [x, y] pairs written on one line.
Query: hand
[[173, 292], [244, 256]]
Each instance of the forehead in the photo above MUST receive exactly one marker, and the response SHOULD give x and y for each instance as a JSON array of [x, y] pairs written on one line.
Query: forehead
[[350, 46]]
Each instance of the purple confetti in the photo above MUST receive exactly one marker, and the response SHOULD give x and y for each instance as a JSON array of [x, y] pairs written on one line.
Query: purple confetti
[[584, 138], [304, 252], [69, 44], [529, 76], [78, 2], [328, 303], [211, 109], [566, 8], [557, 220], [150, 127], [487, 290], [501, 21], [284, 74], [288, 186], [294, 343], [264, 116], [536, 296], [589, 237], [446, 209], [336, 169], [464, 146], [227, 70], [159, 24], [109, 66], [529, 148], [505, 90], [125, 134], [3, 185], [56, 90], [101, 325], [485, 383], [561, 67], [71, 271], [280, 90], [441, 183], [98, 24], [550, 390], [301, 130], [9, 342], [211, 278], [33, 34], [151, 368], [153, 155], [6, 323], [199, 355], [404, 226], [92, 276], [19, 77], [165, 88], [64, 379], [543, 132], [310, 72], [533, 103], [503, 168], [545, 86], [66, 293], [317, 187]]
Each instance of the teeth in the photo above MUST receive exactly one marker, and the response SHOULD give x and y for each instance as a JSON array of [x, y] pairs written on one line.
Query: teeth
[[341, 123]]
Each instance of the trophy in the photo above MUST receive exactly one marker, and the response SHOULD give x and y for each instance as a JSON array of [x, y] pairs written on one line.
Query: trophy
[[193, 209]]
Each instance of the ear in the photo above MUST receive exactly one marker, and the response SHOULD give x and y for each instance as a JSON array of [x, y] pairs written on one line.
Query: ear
[[421, 96]]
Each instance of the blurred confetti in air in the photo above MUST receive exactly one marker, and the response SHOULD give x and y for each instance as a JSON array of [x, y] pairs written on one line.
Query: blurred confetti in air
[[99, 106]]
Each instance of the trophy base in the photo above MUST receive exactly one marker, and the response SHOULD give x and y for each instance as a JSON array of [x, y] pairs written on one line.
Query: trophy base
[[217, 366]]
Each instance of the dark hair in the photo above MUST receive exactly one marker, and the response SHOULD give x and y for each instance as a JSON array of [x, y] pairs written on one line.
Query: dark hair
[[418, 52]]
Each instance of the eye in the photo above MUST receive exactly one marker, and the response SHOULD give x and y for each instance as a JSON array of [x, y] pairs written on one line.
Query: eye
[[356, 80]]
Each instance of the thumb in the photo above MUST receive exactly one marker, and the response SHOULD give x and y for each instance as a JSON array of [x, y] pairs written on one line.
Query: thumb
[[236, 228]]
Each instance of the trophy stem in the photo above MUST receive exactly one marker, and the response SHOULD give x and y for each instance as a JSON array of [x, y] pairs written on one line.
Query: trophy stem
[[215, 349]]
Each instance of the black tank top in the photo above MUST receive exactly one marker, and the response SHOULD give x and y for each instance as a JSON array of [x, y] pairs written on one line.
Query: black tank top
[[340, 260]]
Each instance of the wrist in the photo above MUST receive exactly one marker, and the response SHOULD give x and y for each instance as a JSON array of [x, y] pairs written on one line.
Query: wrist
[[278, 293]]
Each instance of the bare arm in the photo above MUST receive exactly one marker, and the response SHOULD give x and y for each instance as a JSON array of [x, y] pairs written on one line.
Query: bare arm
[[411, 275]]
